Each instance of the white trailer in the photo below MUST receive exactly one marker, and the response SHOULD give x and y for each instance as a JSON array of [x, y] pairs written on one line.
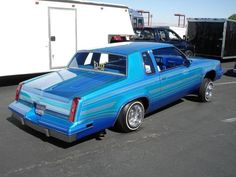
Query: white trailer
[[181, 31], [41, 36]]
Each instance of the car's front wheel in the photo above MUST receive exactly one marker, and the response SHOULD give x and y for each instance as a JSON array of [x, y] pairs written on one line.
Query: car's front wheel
[[131, 117], [206, 90]]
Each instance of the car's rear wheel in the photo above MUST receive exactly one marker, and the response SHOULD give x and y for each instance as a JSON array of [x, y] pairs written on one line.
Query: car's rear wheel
[[206, 90], [131, 117]]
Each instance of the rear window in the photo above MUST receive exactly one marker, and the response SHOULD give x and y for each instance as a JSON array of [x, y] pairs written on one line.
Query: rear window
[[102, 62]]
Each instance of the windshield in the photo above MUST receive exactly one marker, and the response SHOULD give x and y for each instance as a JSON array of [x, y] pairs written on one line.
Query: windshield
[[101, 62]]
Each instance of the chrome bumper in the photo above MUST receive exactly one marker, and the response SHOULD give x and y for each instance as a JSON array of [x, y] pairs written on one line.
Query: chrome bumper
[[46, 131]]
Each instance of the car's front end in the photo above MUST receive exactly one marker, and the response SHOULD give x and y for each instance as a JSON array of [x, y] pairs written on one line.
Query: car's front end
[[208, 65]]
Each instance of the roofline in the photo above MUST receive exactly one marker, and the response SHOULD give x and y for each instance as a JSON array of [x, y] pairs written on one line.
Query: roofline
[[206, 19], [105, 49], [89, 3]]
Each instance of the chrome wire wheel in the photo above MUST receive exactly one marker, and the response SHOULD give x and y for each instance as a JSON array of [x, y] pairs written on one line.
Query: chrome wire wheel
[[208, 92], [135, 115]]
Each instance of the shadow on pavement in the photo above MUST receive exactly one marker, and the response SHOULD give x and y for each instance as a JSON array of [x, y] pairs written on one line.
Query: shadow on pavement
[[193, 98], [230, 73], [50, 140], [164, 108]]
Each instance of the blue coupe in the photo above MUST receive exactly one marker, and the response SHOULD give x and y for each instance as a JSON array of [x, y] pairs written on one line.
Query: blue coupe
[[112, 86]]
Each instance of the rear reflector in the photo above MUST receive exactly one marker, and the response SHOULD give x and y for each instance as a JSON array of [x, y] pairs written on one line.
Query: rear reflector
[[73, 109], [117, 38], [18, 89]]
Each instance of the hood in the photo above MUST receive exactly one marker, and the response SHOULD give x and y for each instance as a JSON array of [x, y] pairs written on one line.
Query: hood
[[203, 60], [69, 83]]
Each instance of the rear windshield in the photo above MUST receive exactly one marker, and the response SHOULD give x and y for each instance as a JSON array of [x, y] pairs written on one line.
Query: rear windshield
[[102, 62]]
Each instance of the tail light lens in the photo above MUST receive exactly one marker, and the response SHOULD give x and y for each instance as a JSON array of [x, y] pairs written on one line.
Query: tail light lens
[[73, 109], [18, 89], [117, 38]]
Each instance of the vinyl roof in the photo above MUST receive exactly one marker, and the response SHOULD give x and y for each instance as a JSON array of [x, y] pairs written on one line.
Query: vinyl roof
[[127, 48]]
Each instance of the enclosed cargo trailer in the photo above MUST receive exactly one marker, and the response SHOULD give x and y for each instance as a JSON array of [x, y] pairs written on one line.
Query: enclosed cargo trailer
[[213, 37], [41, 36]]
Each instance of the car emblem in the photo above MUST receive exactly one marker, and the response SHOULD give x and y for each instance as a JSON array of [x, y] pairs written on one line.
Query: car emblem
[[39, 109]]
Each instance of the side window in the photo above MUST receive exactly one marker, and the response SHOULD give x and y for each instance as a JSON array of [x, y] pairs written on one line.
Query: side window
[[162, 35], [168, 58], [172, 35], [135, 22], [147, 62], [148, 34]]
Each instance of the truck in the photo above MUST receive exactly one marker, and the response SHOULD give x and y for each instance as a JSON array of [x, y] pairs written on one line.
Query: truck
[[39, 36], [163, 34], [213, 37], [137, 19]]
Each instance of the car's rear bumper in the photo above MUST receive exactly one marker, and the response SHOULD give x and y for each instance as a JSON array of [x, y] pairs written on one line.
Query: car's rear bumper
[[46, 131]]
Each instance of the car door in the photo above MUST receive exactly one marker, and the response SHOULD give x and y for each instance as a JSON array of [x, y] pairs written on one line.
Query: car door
[[176, 76]]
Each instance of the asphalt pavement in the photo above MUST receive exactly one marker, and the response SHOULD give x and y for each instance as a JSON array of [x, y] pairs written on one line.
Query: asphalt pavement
[[184, 139]]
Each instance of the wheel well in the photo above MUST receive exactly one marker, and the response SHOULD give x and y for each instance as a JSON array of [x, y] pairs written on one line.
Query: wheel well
[[145, 102], [211, 75]]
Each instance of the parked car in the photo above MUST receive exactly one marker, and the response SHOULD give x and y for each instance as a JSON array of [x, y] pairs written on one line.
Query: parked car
[[111, 86], [165, 35]]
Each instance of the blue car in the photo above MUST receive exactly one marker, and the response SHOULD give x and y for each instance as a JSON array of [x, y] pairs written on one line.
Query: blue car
[[111, 86]]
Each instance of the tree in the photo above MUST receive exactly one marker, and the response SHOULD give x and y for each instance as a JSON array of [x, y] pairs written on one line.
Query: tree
[[233, 17]]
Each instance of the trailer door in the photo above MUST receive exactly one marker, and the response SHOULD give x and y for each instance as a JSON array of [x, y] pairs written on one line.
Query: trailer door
[[62, 36]]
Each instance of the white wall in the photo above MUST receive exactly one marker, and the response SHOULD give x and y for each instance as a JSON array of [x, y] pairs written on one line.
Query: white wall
[[24, 32]]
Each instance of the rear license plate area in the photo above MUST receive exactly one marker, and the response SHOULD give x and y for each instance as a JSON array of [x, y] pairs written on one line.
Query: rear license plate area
[[40, 109]]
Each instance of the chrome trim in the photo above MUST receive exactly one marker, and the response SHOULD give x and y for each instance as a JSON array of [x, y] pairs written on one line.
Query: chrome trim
[[208, 93], [97, 51], [144, 69], [135, 115], [86, 69], [46, 131], [94, 51], [229, 57]]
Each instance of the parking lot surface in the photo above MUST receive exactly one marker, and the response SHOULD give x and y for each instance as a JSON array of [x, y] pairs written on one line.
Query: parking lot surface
[[184, 139]]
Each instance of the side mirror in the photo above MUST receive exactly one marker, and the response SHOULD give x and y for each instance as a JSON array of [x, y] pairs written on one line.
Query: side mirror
[[187, 63], [184, 37]]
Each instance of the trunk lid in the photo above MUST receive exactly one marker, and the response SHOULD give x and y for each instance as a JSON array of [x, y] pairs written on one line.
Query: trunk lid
[[73, 82], [56, 90]]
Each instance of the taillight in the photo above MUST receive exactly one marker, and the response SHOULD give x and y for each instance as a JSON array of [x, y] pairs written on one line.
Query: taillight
[[18, 91], [73, 109], [117, 38]]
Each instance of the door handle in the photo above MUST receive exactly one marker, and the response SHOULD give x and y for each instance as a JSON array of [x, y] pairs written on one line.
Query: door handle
[[52, 38]]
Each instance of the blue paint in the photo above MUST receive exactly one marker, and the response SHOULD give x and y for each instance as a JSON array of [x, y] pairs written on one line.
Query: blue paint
[[104, 94]]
